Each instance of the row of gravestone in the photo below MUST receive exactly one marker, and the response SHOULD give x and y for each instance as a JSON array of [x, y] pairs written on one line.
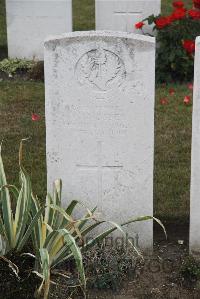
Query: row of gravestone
[[29, 22], [100, 126]]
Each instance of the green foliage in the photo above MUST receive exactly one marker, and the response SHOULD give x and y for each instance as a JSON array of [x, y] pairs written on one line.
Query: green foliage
[[56, 235], [166, 6], [191, 269], [37, 71], [15, 228], [175, 60], [107, 265], [11, 66]]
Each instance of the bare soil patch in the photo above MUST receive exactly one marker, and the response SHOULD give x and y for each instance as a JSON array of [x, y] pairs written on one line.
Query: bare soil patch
[[158, 276]]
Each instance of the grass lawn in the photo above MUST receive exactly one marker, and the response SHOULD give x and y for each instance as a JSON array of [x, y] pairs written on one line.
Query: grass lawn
[[172, 153], [84, 11], [18, 100], [173, 129], [172, 145], [3, 37]]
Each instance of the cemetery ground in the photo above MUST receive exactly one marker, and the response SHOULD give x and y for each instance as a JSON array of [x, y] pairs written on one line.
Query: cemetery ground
[[162, 275], [19, 100]]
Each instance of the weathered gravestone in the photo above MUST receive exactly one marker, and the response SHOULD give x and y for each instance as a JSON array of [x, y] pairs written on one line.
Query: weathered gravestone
[[195, 175], [100, 122], [122, 15], [29, 22]]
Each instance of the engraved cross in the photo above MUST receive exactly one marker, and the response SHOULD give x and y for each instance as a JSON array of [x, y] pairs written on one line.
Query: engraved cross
[[99, 168]]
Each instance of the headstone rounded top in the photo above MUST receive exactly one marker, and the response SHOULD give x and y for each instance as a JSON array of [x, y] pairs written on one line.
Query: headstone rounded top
[[99, 33]]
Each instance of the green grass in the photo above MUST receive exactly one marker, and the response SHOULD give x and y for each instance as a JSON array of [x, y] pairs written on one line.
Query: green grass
[[172, 153], [18, 100], [84, 11], [3, 36], [172, 144]]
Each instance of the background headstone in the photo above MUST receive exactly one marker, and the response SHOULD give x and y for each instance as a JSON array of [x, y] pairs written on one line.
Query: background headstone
[[195, 175], [29, 22], [122, 15], [100, 123]]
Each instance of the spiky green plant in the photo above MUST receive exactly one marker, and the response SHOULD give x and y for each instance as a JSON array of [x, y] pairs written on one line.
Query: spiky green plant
[[54, 237], [58, 237], [15, 223]]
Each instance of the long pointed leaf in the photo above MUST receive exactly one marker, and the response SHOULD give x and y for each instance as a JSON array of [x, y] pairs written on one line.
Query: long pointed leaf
[[45, 264], [29, 229], [6, 205], [71, 207], [76, 254], [103, 235]]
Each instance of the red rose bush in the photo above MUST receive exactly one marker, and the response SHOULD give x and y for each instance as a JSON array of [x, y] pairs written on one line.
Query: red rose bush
[[175, 35], [196, 4]]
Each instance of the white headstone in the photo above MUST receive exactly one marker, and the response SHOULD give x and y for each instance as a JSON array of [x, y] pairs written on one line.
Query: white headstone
[[122, 15], [195, 175], [100, 123], [29, 22]]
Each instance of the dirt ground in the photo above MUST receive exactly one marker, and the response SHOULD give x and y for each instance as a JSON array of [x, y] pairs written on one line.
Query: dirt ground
[[159, 276]]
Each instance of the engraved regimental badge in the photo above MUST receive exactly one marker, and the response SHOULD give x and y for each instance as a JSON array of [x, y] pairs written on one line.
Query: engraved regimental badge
[[100, 69]]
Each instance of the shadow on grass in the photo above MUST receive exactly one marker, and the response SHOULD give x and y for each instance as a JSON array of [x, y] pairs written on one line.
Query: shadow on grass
[[3, 52]]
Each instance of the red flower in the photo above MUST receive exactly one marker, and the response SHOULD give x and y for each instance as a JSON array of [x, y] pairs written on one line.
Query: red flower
[[196, 3], [193, 13], [187, 100], [190, 86], [162, 22], [139, 25], [172, 91], [35, 117], [178, 4], [164, 101], [178, 14], [189, 46]]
